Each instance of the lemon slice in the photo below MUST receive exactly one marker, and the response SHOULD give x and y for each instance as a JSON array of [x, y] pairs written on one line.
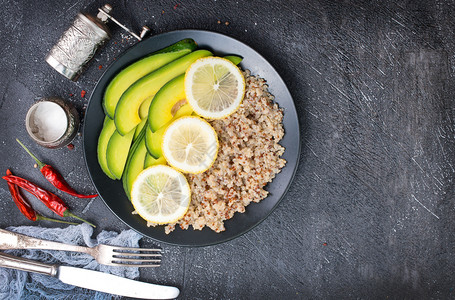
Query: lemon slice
[[190, 144], [214, 87], [161, 195]]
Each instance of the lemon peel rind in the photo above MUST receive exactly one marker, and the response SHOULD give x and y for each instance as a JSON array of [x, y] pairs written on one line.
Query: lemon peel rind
[[146, 218], [178, 168], [193, 103]]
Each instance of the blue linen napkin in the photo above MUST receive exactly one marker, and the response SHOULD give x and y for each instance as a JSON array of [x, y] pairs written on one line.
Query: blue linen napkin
[[16, 284]]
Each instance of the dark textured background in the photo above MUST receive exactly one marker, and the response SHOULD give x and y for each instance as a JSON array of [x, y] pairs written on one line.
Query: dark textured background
[[370, 213]]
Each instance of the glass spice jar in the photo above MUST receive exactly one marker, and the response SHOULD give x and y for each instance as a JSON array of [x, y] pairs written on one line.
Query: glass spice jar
[[52, 123]]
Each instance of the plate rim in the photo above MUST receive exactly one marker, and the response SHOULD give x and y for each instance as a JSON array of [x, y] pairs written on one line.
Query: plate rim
[[291, 178]]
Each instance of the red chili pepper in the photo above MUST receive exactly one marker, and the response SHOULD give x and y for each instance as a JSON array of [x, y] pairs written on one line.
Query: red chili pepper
[[54, 177], [52, 201], [25, 207]]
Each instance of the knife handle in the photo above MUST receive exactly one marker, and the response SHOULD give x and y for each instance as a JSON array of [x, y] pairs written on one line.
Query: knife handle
[[13, 240], [23, 264]]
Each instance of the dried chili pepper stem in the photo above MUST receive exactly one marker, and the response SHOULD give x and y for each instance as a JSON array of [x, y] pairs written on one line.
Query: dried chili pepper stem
[[24, 206], [43, 218], [52, 201], [38, 162], [54, 177]]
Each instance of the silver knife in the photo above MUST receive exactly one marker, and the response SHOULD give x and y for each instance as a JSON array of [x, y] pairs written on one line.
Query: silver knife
[[92, 280]]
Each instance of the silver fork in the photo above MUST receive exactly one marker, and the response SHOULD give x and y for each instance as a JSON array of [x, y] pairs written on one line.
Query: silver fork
[[103, 254]]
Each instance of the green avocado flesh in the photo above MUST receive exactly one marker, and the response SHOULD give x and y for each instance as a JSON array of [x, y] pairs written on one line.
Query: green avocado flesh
[[103, 140], [153, 140], [234, 59], [132, 73], [117, 152], [127, 111], [135, 163], [151, 161], [144, 108], [139, 128], [160, 111], [140, 68]]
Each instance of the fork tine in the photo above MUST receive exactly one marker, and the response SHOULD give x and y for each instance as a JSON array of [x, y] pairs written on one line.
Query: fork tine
[[135, 265], [120, 249], [119, 254], [118, 259]]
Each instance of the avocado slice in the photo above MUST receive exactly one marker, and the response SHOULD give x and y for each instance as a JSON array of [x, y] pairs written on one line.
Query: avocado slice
[[150, 161], [127, 110], [103, 139], [140, 68], [117, 152], [144, 108], [160, 111], [234, 59], [135, 163], [153, 140], [133, 72], [139, 128]]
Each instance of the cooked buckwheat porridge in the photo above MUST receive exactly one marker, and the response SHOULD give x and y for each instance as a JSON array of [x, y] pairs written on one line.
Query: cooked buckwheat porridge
[[249, 157]]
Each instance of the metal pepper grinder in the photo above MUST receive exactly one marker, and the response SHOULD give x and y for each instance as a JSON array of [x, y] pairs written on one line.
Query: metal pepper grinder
[[79, 43]]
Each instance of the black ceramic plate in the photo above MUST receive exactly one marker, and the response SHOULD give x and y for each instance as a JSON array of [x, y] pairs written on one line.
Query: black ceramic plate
[[112, 192]]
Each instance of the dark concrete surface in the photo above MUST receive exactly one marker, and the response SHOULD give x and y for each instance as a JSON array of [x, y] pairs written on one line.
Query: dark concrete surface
[[371, 212]]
